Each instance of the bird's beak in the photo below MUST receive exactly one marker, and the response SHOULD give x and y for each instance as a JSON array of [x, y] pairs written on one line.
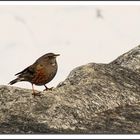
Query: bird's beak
[[57, 55]]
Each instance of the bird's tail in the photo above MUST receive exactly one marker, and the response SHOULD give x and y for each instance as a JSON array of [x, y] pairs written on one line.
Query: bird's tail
[[14, 81]]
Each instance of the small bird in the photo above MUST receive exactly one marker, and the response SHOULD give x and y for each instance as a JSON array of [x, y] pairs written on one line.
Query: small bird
[[40, 72]]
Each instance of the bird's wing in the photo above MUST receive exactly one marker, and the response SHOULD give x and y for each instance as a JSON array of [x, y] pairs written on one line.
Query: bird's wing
[[29, 69]]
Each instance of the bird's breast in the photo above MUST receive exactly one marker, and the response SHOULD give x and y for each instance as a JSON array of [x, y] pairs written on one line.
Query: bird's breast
[[43, 75]]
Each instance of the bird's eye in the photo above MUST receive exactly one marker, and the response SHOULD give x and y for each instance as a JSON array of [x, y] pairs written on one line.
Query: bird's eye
[[50, 57], [47, 57]]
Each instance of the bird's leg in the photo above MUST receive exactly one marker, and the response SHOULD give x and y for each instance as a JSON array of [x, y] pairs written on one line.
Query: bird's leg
[[34, 93], [46, 88], [33, 90]]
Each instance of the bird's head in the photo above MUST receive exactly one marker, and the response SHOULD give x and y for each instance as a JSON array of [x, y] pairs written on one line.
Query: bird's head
[[49, 57]]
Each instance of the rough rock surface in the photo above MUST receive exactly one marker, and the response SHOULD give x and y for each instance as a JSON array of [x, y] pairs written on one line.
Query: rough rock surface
[[94, 98]]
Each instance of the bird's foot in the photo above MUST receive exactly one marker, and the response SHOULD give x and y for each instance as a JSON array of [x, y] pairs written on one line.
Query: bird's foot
[[46, 89], [36, 94]]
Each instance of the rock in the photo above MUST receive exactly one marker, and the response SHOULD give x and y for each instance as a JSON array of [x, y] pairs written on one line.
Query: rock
[[94, 99], [130, 60]]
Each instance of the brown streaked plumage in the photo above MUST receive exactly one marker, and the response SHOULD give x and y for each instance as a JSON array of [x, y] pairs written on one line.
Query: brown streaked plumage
[[39, 73]]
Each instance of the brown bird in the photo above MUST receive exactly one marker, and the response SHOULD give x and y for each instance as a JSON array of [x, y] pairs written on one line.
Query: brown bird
[[40, 72]]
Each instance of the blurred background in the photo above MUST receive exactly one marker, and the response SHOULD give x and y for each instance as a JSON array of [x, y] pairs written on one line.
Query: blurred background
[[81, 34]]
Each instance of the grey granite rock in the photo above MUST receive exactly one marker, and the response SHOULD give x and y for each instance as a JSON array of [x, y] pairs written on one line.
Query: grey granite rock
[[94, 98], [130, 60]]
